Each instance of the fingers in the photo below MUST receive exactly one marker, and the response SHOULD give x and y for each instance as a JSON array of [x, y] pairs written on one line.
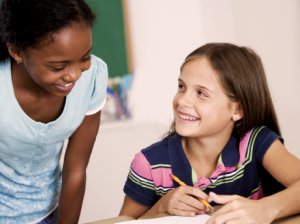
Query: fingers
[[221, 199], [183, 209], [196, 192], [192, 202], [192, 195], [226, 214], [183, 201], [187, 213], [234, 216], [236, 210]]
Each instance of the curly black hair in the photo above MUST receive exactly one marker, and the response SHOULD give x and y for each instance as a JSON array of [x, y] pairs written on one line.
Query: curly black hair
[[25, 23]]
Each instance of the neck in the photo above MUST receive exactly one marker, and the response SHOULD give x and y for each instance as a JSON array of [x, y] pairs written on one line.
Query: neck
[[203, 153]]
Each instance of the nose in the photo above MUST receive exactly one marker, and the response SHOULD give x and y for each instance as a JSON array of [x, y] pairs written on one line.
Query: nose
[[73, 73], [185, 99]]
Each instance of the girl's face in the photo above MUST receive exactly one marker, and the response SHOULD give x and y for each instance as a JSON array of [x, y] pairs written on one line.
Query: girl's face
[[57, 65], [201, 108]]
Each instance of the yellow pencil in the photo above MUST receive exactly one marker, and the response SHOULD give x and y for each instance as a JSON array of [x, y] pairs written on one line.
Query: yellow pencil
[[181, 183]]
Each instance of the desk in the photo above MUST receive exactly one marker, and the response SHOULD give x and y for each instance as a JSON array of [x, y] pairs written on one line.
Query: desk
[[288, 220]]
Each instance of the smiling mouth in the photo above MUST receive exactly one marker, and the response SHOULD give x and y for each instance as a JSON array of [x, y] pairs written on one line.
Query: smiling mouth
[[66, 85], [187, 117]]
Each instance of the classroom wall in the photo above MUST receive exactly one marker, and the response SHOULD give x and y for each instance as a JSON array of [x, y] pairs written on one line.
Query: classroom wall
[[162, 34], [271, 28]]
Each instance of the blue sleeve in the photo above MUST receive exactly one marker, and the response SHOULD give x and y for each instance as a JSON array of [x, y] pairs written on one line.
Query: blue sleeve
[[100, 73], [264, 140], [139, 185]]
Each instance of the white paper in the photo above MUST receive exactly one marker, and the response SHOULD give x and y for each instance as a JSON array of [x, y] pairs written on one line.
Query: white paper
[[199, 219]]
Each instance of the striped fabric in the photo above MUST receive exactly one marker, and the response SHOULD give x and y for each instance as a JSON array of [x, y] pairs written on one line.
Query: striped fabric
[[239, 169]]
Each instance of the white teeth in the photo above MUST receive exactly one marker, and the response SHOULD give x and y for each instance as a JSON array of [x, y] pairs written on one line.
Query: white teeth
[[186, 117], [67, 84]]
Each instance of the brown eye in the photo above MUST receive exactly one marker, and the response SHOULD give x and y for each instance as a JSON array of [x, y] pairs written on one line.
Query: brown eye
[[181, 86], [86, 59], [202, 93], [85, 63], [56, 69]]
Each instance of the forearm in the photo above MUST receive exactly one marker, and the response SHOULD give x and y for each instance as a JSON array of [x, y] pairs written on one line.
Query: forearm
[[71, 198], [284, 203], [155, 210]]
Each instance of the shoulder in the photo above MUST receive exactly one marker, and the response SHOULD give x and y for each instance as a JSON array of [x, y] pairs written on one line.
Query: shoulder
[[97, 73], [260, 139], [159, 152], [95, 79], [98, 64], [264, 136], [261, 135], [156, 153], [157, 146]]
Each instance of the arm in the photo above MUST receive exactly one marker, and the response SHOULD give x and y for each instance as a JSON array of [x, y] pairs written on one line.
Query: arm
[[132, 208], [74, 169], [282, 166]]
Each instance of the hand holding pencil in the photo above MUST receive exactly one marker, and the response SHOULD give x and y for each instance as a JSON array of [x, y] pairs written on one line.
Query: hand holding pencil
[[204, 202]]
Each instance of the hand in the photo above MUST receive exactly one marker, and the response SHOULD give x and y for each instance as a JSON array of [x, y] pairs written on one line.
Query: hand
[[182, 201], [238, 210]]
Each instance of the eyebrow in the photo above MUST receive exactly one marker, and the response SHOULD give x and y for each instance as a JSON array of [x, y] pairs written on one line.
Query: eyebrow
[[54, 62]]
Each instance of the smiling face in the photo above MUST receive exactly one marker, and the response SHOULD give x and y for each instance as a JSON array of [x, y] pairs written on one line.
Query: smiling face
[[201, 108], [56, 65]]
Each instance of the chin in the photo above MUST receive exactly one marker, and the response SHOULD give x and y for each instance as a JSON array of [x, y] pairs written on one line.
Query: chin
[[183, 133]]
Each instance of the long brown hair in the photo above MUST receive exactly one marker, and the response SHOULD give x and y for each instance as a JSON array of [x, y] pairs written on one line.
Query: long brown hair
[[243, 79]]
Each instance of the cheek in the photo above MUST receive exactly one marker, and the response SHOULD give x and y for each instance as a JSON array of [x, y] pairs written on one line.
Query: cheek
[[42, 76], [32, 71], [86, 66], [175, 101]]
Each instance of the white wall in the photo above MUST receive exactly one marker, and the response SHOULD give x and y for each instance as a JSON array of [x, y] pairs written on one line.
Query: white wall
[[115, 147], [272, 28], [163, 32]]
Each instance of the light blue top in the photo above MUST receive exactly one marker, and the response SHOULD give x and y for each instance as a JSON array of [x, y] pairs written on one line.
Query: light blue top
[[30, 172]]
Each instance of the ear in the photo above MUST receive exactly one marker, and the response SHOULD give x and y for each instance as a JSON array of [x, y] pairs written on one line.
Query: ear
[[15, 53], [238, 112]]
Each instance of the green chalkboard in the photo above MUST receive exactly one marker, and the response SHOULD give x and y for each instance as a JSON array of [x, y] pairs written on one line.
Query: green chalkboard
[[109, 36]]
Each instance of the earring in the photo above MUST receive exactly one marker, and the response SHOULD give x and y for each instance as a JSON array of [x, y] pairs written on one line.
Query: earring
[[18, 62]]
